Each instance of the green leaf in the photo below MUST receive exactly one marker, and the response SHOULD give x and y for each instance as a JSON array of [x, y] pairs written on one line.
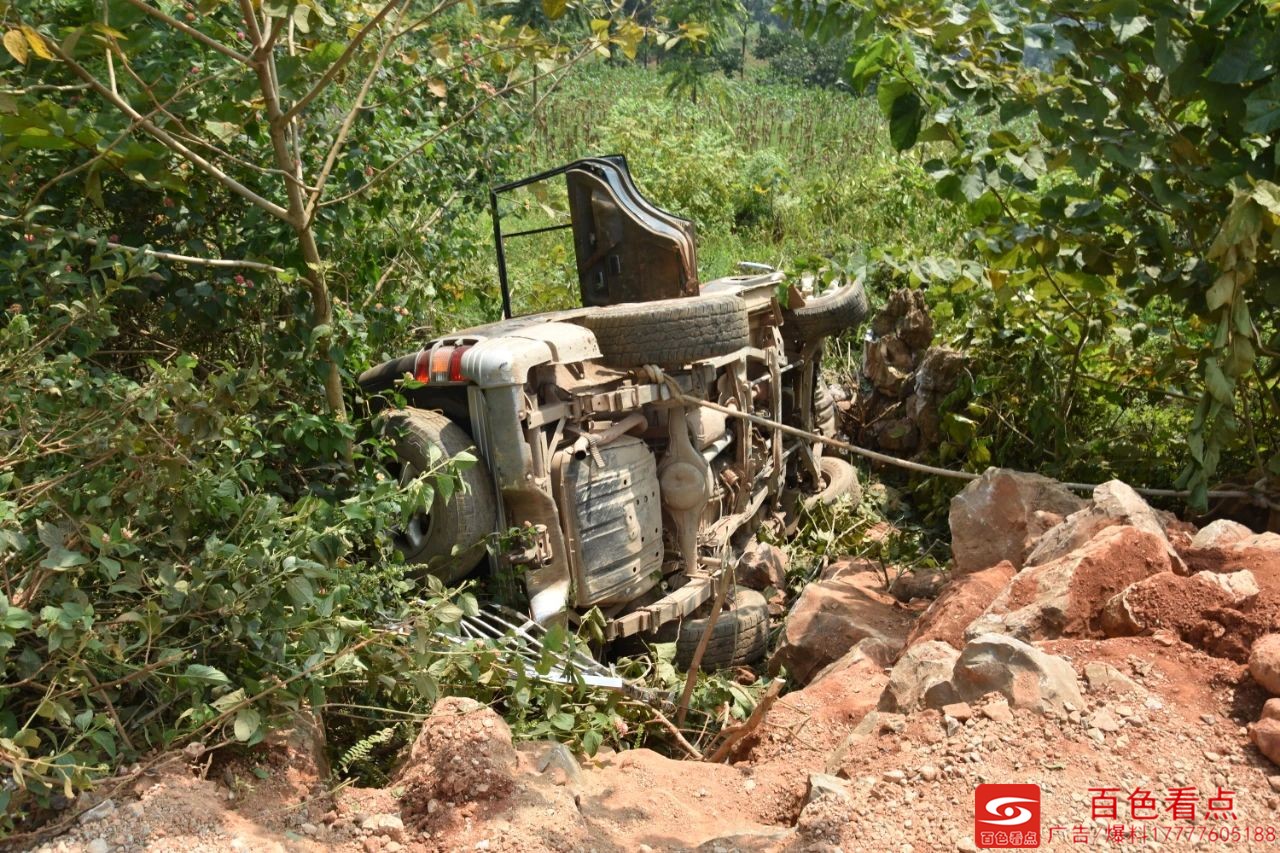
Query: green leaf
[[591, 741], [1128, 26], [554, 9], [62, 558], [224, 130], [248, 723], [1262, 109], [204, 674], [449, 613], [13, 618], [870, 61], [1243, 222], [1168, 50], [1240, 357], [1247, 57], [905, 117], [105, 740], [229, 700], [1216, 382], [562, 721], [299, 591], [1220, 293]]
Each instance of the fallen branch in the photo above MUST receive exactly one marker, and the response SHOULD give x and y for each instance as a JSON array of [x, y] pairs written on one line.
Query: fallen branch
[[676, 733], [734, 735], [726, 580]]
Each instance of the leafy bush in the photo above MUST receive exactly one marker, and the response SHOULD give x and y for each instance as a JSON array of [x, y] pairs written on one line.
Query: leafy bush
[[1131, 162], [193, 567], [764, 180], [193, 539]]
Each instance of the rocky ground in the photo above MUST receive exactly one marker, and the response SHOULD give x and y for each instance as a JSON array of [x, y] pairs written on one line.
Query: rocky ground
[[1116, 658]]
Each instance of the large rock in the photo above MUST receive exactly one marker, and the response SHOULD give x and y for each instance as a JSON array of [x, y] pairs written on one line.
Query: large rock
[[1264, 663], [1230, 552], [920, 677], [936, 378], [833, 616], [1065, 598], [962, 600], [1265, 733], [994, 518], [1164, 600], [763, 566], [462, 754], [1105, 678], [919, 584], [1240, 587], [1114, 503], [869, 652], [1026, 676], [1222, 533]]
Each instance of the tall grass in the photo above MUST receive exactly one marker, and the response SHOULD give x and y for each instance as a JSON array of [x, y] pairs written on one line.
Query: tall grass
[[821, 131], [810, 171]]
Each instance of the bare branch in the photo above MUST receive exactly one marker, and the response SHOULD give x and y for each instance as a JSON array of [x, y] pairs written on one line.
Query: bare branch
[[208, 41], [45, 87], [255, 32], [277, 26], [166, 139], [341, 61], [218, 263], [111, 65]]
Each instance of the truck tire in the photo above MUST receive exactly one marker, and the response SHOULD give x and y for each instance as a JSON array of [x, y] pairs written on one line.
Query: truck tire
[[840, 309], [839, 479], [466, 519], [740, 636], [669, 332]]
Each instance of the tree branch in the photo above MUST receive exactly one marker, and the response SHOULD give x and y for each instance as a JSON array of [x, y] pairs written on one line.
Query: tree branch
[[208, 41], [165, 138], [340, 62]]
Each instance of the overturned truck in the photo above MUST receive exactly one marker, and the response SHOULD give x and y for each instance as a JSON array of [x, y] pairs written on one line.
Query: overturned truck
[[605, 487]]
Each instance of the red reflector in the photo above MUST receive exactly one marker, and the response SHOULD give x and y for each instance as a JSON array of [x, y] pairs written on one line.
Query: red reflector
[[440, 363], [420, 371], [455, 364]]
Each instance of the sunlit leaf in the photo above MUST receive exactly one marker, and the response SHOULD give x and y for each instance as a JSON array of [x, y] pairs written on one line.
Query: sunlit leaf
[[16, 44]]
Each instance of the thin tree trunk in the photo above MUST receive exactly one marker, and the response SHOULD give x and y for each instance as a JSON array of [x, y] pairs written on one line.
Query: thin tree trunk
[[287, 162]]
